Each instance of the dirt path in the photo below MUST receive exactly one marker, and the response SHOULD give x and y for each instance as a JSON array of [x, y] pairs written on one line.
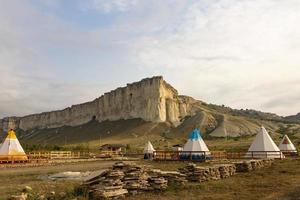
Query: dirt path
[[79, 166], [13, 180]]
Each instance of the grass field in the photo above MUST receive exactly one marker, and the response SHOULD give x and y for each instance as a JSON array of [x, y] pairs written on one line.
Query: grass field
[[281, 181]]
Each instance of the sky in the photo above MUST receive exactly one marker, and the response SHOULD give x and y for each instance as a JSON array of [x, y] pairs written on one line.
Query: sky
[[240, 53]]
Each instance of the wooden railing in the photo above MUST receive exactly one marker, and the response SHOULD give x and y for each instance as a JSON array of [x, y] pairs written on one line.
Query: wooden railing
[[109, 154], [55, 155], [291, 154], [264, 154], [43, 156], [13, 159], [214, 155], [181, 155], [158, 155]]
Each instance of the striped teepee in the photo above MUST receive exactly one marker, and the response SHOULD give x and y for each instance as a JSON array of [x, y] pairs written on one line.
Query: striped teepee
[[286, 145], [11, 149]]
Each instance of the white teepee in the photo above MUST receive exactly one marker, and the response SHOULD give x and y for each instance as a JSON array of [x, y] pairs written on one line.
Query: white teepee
[[263, 146], [196, 144], [11, 149], [286, 145], [149, 148]]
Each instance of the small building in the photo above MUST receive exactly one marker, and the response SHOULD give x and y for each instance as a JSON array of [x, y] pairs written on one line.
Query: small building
[[112, 147], [177, 147]]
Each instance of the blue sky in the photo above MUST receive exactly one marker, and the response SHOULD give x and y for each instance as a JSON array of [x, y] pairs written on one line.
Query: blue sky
[[241, 53]]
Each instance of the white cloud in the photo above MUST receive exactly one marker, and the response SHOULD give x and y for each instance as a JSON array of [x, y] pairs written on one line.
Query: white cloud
[[27, 80], [221, 50], [240, 53], [108, 6]]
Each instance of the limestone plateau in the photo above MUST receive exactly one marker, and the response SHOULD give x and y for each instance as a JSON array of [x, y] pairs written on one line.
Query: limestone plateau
[[151, 99], [150, 107]]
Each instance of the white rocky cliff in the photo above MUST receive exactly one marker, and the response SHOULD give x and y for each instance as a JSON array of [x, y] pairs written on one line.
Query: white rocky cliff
[[151, 99]]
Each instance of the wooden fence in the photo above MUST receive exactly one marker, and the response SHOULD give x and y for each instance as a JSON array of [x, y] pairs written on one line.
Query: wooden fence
[[43, 156], [37, 157], [213, 155], [51, 155], [109, 154], [181, 155], [13, 159]]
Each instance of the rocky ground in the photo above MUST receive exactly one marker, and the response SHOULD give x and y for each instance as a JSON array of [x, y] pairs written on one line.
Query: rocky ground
[[279, 181]]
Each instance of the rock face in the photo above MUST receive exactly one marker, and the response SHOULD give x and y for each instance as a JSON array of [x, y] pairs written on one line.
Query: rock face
[[9, 123], [151, 99], [293, 118]]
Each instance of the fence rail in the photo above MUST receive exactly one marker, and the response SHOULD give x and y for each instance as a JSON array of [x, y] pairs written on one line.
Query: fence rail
[[213, 155], [13, 158], [55, 155], [37, 157], [42, 156]]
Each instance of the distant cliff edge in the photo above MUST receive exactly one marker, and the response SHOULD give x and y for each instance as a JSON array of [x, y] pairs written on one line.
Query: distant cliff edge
[[151, 99]]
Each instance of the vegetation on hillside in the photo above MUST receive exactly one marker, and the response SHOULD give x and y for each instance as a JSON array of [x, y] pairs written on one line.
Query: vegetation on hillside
[[218, 125]]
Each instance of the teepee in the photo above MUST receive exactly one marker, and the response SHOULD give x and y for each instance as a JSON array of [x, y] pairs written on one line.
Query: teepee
[[196, 144], [148, 150], [11, 149], [263, 146], [286, 145]]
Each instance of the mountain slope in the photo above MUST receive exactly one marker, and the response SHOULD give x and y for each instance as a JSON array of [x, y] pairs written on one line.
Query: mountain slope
[[293, 118], [147, 110], [212, 123]]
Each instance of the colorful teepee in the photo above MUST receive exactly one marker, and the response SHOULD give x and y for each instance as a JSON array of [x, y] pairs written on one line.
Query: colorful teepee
[[286, 145], [11, 149], [148, 150], [195, 143], [263, 146]]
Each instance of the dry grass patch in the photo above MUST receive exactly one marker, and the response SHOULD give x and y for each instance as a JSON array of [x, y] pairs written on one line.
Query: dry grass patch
[[281, 181]]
